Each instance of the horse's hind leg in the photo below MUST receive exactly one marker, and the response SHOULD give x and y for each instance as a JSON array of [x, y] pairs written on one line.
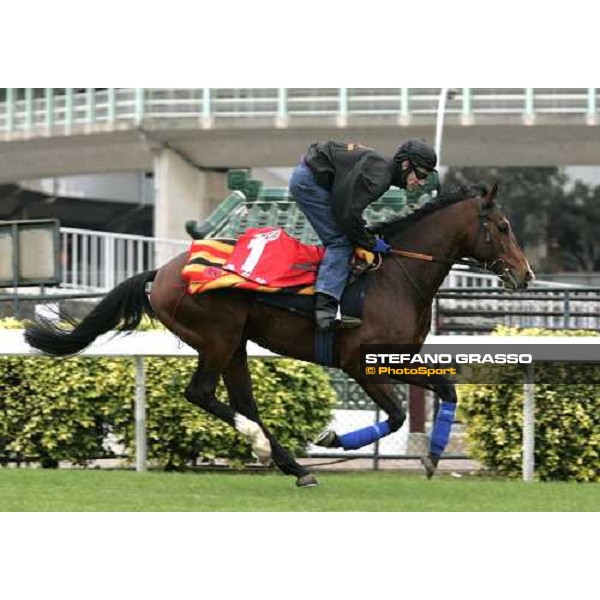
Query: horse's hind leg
[[213, 325], [384, 395], [239, 387], [442, 426], [201, 392]]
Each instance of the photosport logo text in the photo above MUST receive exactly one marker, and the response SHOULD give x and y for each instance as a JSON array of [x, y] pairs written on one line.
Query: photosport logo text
[[479, 363]]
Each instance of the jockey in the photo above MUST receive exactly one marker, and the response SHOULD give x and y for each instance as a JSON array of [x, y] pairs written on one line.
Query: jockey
[[332, 185]]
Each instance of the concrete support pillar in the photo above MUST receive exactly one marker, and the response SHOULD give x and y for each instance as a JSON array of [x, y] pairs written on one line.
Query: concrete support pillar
[[182, 193]]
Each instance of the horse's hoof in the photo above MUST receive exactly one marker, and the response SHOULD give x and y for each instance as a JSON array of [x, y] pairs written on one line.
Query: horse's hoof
[[430, 465], [327, 439], [307, 481]]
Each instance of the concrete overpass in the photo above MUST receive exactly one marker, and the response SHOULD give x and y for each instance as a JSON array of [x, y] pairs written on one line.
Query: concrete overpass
[[190, 136]]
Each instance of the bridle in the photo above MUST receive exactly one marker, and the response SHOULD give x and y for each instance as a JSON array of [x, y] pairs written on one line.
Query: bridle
[[497, 266]]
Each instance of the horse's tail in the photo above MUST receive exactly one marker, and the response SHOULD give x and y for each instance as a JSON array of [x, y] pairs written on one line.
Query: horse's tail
[[122, 310]]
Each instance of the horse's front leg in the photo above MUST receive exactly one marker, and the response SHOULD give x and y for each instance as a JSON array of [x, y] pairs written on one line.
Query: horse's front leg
[[442, 426]]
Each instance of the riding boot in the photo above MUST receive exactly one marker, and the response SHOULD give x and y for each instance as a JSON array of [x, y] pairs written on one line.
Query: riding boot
[[325, 310]]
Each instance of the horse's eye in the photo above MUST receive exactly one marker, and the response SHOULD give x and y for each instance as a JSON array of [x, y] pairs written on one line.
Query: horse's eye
[[503, 227]]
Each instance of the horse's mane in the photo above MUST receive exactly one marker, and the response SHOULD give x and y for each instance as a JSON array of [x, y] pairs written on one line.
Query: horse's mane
[[456, 194]]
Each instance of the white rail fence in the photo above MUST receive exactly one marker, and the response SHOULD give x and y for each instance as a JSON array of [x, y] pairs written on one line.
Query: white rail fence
[[159, 343], [31, 109], [546, 304], [97, 261]]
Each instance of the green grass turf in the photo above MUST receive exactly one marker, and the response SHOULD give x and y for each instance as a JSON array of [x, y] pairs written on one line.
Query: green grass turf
[[77, 490]]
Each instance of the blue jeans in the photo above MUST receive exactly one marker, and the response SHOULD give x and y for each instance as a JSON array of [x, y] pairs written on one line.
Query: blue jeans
[[313, 201]]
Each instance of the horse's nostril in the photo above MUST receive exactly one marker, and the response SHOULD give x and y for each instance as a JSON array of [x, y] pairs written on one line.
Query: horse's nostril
[[529, 276]]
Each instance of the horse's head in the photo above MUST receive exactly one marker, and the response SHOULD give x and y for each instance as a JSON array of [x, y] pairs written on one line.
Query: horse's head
[[495, 245]]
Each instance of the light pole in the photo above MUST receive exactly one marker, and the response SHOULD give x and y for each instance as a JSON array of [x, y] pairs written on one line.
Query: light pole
[[445, 95], [439, 127]]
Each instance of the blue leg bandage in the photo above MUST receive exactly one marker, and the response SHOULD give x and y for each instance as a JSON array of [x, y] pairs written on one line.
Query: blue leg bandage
[[363, 437], [441, 428]]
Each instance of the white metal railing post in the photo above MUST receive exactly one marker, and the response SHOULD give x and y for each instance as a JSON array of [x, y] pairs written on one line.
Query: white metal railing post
[[404, 106], [94, 262], [206, 108], [90, 107], [528, 425], [75, 260], [529, 114], [64, 237], [10, 109], [49, 107], [69, 103], [139, 105], [28, 108], [109, 263], [592, 116], [111, 109], [141, 452], [467, 108], [85, 275]]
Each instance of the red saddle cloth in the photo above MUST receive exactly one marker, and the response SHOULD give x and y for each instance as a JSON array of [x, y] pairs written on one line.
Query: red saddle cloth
[[269, 256], [263, 259]]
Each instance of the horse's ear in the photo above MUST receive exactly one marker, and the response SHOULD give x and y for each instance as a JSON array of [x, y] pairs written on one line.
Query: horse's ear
[[491, 195]]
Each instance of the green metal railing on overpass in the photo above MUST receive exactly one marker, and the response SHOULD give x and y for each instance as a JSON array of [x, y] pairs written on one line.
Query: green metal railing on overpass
[[33, 109]]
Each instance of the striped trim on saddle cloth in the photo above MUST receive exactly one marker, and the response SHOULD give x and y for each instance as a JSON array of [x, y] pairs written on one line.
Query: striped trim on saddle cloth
[[264, 260]]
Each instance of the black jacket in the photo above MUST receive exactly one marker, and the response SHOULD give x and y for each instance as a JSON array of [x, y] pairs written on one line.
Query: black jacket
[[356, 176]]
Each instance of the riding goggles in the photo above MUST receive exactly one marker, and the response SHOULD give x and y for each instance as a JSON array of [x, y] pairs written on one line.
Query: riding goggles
[[420, 172]]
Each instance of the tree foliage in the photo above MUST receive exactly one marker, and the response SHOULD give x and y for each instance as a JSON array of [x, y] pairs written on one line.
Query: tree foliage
[[567, 420], [544, 207]]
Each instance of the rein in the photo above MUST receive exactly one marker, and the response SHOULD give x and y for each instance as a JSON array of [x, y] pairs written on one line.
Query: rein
[[439, 259]]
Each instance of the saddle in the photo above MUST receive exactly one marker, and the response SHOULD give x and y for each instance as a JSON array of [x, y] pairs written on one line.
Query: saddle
[[283, 276], [265, 260]]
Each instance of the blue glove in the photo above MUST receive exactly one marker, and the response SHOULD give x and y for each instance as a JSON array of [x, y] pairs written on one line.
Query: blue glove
[[381, 246]]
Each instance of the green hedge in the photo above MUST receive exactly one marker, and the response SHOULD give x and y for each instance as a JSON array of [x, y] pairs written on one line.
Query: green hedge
[[567, 422], [63, 409]]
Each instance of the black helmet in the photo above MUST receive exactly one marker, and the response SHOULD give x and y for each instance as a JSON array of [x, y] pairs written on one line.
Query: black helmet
[[418, 153]]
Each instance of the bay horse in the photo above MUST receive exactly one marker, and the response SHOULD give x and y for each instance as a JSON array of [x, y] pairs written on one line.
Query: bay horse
[[397, 310]]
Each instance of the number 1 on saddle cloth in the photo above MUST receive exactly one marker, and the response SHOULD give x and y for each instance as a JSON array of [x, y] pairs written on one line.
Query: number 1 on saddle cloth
[[271, 257]]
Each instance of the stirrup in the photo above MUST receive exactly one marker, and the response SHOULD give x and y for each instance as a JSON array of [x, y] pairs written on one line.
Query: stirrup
[[347, 322]]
